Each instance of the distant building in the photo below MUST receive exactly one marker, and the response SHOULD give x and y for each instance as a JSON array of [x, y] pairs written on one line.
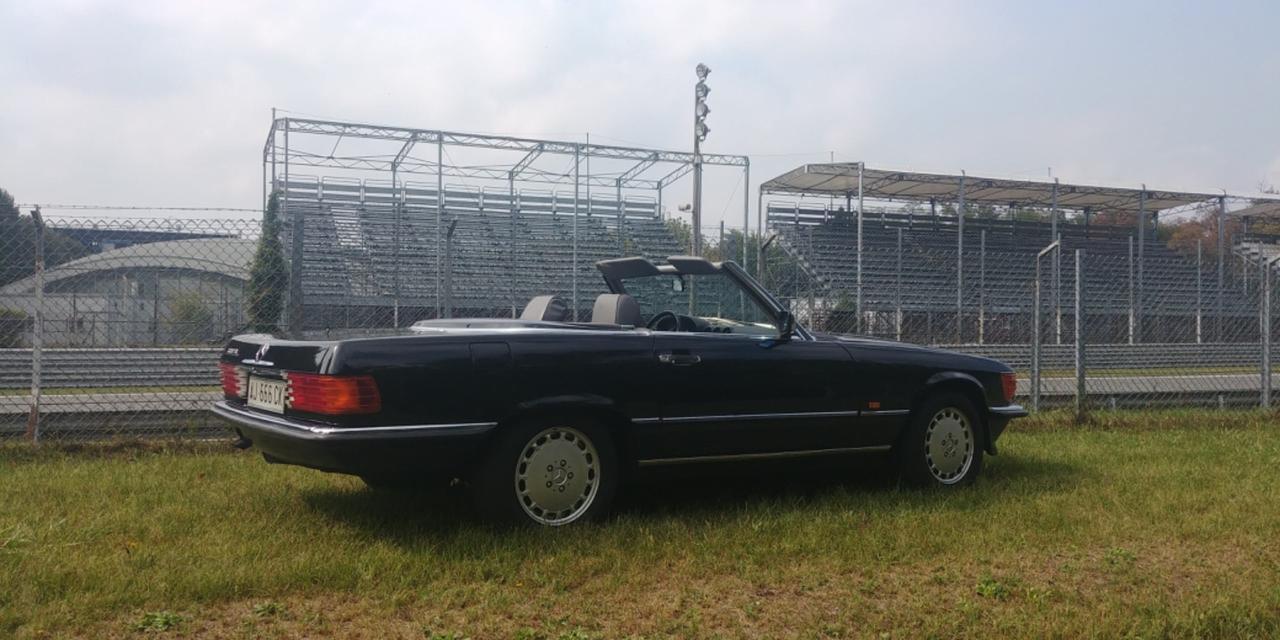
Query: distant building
[[98, 240], [187, 291]]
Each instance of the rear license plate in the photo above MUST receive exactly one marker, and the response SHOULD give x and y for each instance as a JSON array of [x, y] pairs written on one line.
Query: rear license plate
[[267, 394]]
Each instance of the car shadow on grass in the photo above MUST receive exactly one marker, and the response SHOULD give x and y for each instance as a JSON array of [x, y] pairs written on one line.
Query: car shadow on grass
[[700, 493]]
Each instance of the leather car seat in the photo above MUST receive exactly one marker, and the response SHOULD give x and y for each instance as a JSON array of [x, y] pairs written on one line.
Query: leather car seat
[[548, 308], [616, 308]]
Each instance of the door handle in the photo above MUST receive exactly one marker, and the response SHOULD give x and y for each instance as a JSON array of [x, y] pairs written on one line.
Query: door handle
[[679, 359]]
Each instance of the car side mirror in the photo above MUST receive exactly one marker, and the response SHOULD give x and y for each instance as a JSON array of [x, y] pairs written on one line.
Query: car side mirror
[[786, 326]]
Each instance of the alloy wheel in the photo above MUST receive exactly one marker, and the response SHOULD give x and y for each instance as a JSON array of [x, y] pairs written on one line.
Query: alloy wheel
[[557, 476]]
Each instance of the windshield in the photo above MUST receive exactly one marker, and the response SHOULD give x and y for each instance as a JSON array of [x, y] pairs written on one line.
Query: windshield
[[713, 303]]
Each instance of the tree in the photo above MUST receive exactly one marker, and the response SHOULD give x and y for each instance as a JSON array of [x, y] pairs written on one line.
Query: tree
[[190, 319], [269, 275], [18, 244], [682, 231], [1202, 227], [8, 209], [13, 324]]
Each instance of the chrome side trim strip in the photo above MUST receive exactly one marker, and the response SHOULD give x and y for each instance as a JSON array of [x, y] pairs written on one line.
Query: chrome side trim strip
[[646, 420], [762, 416], [887, 412], [772, 455], [290, 427]]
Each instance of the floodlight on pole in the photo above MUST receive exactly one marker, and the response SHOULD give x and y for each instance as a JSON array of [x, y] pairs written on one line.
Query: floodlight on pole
[[700, 131]]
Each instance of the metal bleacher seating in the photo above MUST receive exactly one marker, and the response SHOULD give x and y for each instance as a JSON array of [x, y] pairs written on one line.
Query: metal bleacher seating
[[368, 246], [999, 267]]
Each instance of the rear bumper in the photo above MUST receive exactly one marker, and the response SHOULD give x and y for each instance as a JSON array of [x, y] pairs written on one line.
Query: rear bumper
[[389, 450]]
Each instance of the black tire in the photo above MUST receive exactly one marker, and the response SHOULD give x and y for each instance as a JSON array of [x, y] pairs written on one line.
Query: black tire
[[950, 453], [578, 464]]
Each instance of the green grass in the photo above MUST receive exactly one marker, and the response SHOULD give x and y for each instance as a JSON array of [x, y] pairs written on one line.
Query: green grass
[[1159, 524]]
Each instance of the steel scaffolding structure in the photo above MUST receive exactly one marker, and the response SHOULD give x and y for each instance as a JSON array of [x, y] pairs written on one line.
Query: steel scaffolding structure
[[347, 149], [856, 181]]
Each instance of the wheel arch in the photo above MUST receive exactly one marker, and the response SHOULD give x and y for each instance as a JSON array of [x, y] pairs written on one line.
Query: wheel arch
[[594, 407], [965, 385]]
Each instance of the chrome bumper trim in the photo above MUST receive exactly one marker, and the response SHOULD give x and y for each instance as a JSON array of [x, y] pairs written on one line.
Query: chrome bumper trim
[[284, 426], [763, 416], [1010, 411]]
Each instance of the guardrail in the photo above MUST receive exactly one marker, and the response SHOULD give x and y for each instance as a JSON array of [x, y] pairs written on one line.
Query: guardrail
[[1121, 356], [149, 367], [87, 368]]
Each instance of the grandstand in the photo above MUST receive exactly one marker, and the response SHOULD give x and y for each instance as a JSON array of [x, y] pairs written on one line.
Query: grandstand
[[385, 242], [908, 263], [369, 248]]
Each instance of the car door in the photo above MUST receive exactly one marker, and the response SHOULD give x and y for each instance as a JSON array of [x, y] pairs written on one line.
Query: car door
[[735, 395]]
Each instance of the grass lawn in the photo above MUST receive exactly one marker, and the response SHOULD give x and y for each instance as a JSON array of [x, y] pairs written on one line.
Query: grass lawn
[[1161, 524]]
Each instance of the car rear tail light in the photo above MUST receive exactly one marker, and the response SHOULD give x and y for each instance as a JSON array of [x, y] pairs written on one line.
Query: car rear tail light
[[1010, 383], [235, 380], [332, 395]]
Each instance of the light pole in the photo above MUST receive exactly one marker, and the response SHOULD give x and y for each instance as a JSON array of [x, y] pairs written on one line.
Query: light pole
[[700, 131]]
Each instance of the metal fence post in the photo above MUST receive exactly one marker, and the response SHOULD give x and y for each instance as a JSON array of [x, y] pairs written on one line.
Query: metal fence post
[[573, 267], [897, 291], [1265, 329], [439, 214], [960, 263], [1131, 300], [37, 331], [858, 302], [1035, 340], [982, 287], [1035, 329], [448, 269], [1199, 292], [1081, 397]]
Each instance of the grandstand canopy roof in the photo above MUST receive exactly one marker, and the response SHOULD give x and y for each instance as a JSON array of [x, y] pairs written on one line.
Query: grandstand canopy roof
[[841, 178], [367, 147], [1264, 209], [229, 257]]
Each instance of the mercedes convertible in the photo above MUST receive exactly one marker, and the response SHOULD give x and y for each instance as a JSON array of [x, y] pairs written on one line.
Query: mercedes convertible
[[541, 417]]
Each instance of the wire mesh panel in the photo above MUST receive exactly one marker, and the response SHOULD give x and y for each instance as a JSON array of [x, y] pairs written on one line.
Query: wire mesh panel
[[1152, 340], [129, 314], [1156, 327]]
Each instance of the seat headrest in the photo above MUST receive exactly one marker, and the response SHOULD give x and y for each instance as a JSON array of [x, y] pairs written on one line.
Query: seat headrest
[[616, 308], [549, 308]]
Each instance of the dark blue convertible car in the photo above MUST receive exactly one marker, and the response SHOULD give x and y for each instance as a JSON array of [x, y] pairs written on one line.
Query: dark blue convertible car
[[683, 362]]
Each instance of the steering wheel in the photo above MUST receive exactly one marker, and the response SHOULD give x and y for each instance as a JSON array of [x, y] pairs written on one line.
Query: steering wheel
[[664, 321]]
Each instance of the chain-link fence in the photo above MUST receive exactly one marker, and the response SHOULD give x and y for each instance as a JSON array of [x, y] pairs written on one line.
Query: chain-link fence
[[1157, 327], [119, 333]]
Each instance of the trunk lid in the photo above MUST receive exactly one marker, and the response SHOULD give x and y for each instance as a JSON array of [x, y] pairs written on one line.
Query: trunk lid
[[262, 351]]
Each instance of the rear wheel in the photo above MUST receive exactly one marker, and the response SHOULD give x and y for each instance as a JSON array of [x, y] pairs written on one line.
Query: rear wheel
[[942, 447], [548, 472]]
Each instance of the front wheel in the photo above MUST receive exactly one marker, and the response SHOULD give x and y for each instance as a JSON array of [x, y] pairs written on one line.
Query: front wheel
[[548, 472], [942, 446]]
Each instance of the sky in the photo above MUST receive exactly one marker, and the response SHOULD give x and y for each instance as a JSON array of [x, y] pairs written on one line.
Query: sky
[[168, 103]]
